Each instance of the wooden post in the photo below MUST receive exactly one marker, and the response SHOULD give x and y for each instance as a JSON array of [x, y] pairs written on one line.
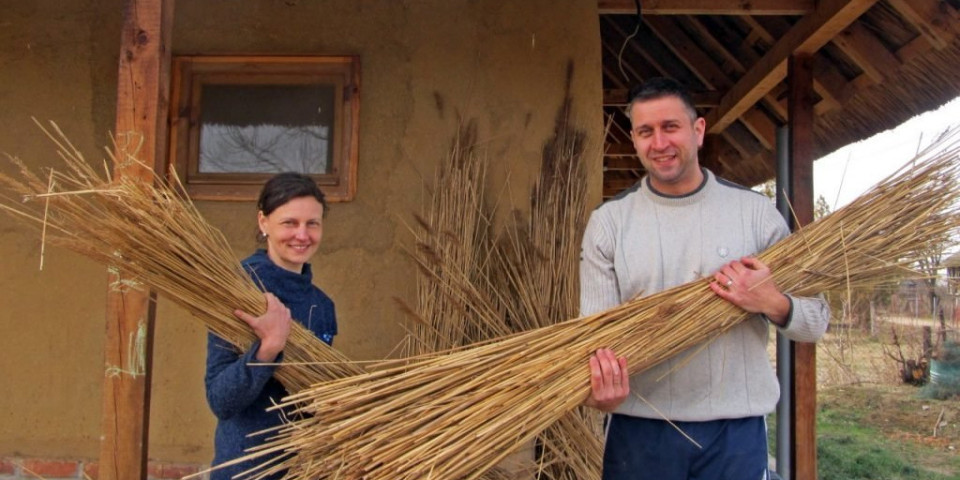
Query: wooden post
[[141, 131], [804, 394]]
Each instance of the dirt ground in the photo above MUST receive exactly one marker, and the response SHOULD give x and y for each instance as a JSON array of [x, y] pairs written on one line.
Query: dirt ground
[[855, 372]]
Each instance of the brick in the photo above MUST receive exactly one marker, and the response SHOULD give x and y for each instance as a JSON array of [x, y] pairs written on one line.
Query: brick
[[91, 471], [165, 471], [49, 469], [7, 466]]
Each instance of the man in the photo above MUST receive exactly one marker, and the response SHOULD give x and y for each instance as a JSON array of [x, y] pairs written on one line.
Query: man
[[677, 224]]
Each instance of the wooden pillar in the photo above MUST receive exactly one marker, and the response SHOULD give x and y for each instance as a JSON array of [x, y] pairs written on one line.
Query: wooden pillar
[[804, 393], [143, 84]]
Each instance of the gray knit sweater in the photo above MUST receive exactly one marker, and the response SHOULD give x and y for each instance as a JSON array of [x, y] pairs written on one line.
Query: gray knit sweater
[[642, 242]]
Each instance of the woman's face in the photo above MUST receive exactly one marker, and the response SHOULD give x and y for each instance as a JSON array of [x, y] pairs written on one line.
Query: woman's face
[[293, 232]]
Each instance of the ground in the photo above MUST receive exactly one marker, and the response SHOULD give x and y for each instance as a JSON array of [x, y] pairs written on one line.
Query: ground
[[863, 403]]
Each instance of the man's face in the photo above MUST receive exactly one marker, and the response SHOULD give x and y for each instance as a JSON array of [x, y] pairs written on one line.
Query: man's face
[[666, 140]]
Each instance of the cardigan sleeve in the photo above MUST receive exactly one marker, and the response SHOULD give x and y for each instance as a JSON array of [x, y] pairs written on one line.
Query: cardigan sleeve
[[232, 382]]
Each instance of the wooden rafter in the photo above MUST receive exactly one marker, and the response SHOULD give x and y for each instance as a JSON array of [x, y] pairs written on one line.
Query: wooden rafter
[[807, 36], [935, 20], [866, 50], [709, 7], [709, 73]]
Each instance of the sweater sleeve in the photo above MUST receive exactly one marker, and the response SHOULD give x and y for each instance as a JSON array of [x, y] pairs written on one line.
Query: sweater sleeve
[[232, 384], [599, 288], [809, 316]]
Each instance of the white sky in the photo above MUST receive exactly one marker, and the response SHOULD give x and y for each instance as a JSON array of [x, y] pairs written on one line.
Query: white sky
[[845, 174]]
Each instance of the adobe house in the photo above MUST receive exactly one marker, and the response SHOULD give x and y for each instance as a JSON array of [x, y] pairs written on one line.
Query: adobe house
[[835, 71]]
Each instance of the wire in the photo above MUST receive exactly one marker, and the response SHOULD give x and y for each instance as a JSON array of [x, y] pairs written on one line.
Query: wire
[[629, 37]]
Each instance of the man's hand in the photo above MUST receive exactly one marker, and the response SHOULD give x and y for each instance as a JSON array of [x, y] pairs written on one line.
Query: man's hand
[[748, 284], [609, 380], [273, 328]]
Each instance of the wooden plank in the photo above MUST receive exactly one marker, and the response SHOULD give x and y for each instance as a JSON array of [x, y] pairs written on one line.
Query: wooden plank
[[934, 19], [708, 7], [801, 142], [867, 51], [620, 150], [706, 69], [807, 36], [622, 163], [142, 86], [913, 49]]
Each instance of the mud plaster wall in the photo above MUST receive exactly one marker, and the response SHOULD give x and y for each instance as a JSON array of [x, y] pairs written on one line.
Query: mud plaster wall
[[424, 65]]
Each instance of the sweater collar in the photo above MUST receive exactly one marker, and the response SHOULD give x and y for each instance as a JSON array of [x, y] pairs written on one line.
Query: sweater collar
[[678, 200]]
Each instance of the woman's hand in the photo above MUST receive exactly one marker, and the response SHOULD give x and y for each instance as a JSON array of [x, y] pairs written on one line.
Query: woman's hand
[[609, 380], [273, 328]]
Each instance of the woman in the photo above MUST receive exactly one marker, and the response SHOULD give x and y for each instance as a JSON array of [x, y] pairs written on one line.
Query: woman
[[290, 218]]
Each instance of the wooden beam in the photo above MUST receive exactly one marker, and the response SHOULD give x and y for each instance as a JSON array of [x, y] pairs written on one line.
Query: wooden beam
[[710, 74], [936, 20], [708, 7], [807, 36], [693, 56], [611, 164], [801, 143], [867, 51], [620, 150], [142, 86]]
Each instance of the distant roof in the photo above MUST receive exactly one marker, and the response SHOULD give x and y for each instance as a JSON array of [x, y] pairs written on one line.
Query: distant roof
[[952, 261], [876, 64]]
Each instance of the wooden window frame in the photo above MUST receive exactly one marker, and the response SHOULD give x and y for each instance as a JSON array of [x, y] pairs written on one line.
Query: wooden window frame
[[190, 73]]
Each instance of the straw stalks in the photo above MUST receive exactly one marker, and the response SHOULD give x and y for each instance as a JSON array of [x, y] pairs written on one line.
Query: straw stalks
[[474, 287], [454, 416], [152, 234]]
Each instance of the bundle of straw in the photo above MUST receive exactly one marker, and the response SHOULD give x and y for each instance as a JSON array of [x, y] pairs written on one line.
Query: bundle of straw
[[154, 234], [474, 286], [456, 415]]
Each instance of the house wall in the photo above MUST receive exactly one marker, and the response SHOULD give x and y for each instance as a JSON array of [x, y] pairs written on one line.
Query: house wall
[[425, 64]]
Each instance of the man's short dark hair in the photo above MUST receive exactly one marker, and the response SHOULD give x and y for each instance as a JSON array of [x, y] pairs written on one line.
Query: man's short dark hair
[[659, 87]]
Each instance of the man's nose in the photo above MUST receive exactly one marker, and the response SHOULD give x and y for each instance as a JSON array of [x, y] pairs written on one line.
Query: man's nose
[[659, 140]]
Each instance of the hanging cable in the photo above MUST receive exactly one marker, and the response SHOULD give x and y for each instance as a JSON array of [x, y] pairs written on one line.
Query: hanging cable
[[636, 30]]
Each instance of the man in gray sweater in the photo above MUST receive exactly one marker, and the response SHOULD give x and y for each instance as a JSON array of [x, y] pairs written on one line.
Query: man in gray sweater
[[677, 224]]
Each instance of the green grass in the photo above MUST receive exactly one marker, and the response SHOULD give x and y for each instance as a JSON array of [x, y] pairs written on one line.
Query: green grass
[[849, 450]]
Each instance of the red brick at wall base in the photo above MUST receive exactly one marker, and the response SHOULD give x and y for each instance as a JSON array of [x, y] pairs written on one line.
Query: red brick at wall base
[[49, 469], [58, 469], [164, 471]]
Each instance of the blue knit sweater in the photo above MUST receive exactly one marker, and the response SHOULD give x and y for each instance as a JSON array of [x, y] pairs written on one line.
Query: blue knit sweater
[[238, 391]]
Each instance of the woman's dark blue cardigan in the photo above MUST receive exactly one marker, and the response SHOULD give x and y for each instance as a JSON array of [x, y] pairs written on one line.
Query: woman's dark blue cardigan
[[238, 390]]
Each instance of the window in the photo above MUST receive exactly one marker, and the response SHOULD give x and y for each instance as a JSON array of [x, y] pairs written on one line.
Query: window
[[236, 121]]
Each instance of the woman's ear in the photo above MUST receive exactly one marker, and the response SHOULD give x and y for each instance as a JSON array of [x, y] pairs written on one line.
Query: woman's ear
[[262, 223]]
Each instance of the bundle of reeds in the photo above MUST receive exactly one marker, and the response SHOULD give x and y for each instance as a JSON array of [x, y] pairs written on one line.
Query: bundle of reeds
[[474, 286], [454, 416], [153, 235]]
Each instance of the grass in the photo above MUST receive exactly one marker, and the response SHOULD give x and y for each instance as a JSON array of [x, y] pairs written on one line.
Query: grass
[[872, 427], [850, 449]]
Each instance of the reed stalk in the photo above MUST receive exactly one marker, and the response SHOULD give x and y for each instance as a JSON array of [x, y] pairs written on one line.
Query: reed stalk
[[456, 415], [150, 234]]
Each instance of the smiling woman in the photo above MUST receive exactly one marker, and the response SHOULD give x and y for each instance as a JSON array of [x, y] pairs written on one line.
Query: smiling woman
[[239, 385]]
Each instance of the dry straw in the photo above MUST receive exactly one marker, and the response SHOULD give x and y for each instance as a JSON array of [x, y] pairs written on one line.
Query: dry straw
[[151, 234], [474, 285], [456, 415]]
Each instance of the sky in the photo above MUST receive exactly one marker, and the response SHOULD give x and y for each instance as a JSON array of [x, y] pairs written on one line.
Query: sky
[[850, 171]]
